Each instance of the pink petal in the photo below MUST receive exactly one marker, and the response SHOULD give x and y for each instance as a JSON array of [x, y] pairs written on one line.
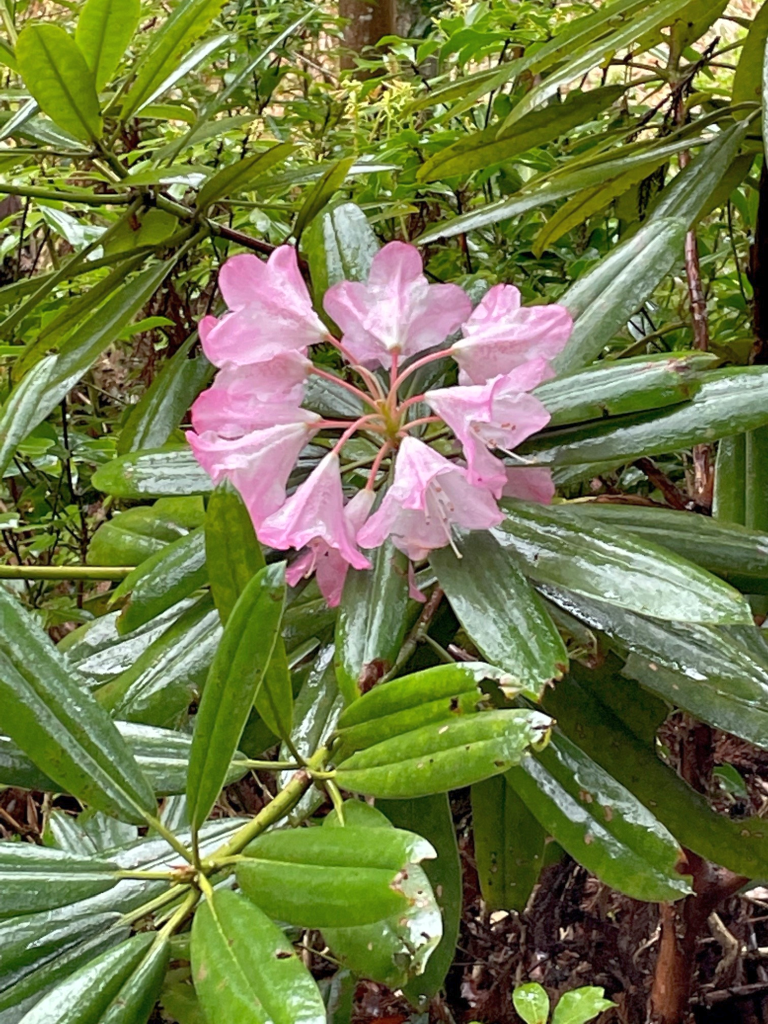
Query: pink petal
[[246, 398], [258, 464], [396, 310], [530, 483], [500, 335], [315, 511]]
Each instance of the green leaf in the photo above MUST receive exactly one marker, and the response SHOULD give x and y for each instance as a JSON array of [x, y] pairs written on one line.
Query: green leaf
[[741, 846], [188, 21], [321, 193], [436, 694], [500, 611], [163, 405], [20, 414], [443, 756], [55, 72], [625, 386], [371, 621], [433, 818], [163, 473], [756, 480], [136, 533], [340, 245], [531, 1002], [599, 822], [325, 878], [136, 1000], [60, 726], [729, 401], [192, 61], [162, 754], [581, 1005], [480, 150], [748, 80], [104, 30], [162, 580], [724, 548], [242, 175], [688, 194], [509, 845], [654, 16], [87, 994], [603, 300], [558, 547], [34, 878], [245, 970], [233, 553], [398, 950], [233, 683]]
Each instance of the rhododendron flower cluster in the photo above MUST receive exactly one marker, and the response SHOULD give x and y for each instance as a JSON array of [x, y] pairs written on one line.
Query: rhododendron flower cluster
[[440, 458]]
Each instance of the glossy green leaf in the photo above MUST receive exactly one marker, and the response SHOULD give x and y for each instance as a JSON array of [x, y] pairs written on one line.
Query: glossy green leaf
[[242, 175], [87, 994], [187, 22], [748, 80], [325, 878], [28, 942], [163, 473], [20, 413], [372, 621], [603, 300], [741, 846], [233, 553], [191, 62], [233, 683], [531, 1002], [599, 822], [274, 699], [581, 1005], [625, 386], [728, 402], [316, 712], [756, 480], [481, 150], [340, 245], [60, 726], [163, 405], [652, 17], [728, 503], [104, 30], [500, 611], [559, 548], [55, 72], [434, 695], [136, 533], [688, 193], [724, 548], [443, 756], [168, 676], [508, 843], [398, 950], [433, 818], [136, 1000], [164, 579], [162, 755], [245, 970], [321, 193], [35, 878]]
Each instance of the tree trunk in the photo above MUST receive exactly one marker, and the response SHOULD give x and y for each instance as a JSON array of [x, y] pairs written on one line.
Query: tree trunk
[[368, 22]]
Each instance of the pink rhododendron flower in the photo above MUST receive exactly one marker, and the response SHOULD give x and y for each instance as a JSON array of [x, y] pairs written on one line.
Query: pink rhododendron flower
[[499, 414], [501, 334], [258, 464], [329, 563], [428, 497], [250, 427], [396, 310], [270, 311], [246, 398]]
